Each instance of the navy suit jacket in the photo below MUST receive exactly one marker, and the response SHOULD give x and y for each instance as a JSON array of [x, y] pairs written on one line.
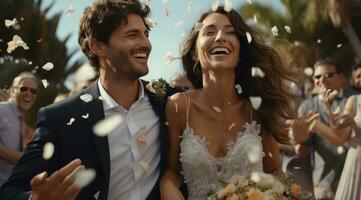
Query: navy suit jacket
[[76, 141]]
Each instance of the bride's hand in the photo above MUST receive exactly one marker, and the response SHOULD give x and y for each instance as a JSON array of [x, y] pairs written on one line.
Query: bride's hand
[[169, 191]]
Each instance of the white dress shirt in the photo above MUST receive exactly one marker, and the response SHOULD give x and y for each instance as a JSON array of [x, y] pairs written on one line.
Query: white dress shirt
[[134, 164]]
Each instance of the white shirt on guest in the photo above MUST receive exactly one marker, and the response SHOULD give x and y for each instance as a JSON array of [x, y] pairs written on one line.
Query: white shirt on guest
[[130, 177]]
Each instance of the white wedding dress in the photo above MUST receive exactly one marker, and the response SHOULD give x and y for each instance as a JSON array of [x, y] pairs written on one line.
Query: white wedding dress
[[204, 173]]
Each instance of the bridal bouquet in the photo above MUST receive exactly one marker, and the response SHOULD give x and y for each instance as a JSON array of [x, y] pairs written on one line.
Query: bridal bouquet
[[260, 186]]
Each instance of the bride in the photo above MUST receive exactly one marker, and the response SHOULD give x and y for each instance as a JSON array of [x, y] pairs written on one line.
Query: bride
[[214, 131]]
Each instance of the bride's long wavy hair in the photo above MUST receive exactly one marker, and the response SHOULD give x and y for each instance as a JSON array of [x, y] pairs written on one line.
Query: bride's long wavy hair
[[277, 98]]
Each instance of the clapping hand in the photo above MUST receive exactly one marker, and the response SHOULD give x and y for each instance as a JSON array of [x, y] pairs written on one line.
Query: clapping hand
[[59, 186], [302, 127]]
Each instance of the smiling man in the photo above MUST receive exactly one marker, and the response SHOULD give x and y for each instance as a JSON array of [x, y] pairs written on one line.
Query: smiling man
[[130, 159], [12, 125]]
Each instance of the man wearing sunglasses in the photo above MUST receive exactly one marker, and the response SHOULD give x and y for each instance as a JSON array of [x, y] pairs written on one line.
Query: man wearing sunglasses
[[327, 159], [12, 125]]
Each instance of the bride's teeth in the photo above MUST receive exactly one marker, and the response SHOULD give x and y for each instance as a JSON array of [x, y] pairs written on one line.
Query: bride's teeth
[[142, 55], [220, 49]]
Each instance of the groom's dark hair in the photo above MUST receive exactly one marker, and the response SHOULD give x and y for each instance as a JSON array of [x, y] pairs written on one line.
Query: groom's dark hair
[[102, 18]]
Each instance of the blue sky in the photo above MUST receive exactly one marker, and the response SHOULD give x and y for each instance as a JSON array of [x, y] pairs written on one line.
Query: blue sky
[[165, 37]]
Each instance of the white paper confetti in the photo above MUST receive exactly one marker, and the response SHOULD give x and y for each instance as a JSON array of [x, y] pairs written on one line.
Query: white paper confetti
[[254, 154], [215, 5], [319, 41], [144, 166], [142, 140], [249, 2], [84, 177], [9, 23], [48, 66], [189, 6], [107, 125], [270, 154], [296, 167], [48, 150], [239, 88], [166, 123], [86, 98], [231, 126], [249, 37], [308, 71], [86, 116], [217, 109], [257, 72], [340, 150], [288, 29], [169, 58], [178, 24], [339, 45], [45, 83], [15, 43], [151, 23], [256, 102], [166, 12], [274, 30], [100, 98], [176, 107], [69, 10], [255, 18], [165, 1], [71, 121], [228, 5]]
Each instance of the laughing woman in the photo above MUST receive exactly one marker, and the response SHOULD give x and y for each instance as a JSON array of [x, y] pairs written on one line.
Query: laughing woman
[[214, 132]]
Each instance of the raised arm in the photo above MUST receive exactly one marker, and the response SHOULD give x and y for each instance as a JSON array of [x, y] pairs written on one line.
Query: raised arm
[[176, 118]]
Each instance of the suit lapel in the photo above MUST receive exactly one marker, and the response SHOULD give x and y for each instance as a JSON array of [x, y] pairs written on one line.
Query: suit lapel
[[96, 113]]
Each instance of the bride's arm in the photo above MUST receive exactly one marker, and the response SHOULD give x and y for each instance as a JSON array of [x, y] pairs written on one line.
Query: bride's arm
[[271, 160], [171, 180]]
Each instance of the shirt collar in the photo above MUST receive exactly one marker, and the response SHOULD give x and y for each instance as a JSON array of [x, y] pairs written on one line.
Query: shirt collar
[[109, 103]]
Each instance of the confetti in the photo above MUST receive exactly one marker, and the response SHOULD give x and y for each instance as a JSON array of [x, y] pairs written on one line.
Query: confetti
[[69, 10], [270, 154], [45, 83], [217, 109], [166, 123], [39, 40], [231, 126], [308, 71], [255, 18], [166, 12], [86, 98], [48, 66], [215, 5], [96, 195], [86, 116], [48, 150], [165, 1], [257, 72], [169, 58], [141, 140], [15, 43], [151, 23], [70, 121], [340, 150], [178, 24], [287, 29], [176, 107], [249, 2], [254, 154], [296, 167], [249, 37], [274, 30], [144, 166], [189, 6], [100, 98], [105, 126], [339, 45], [256, 102], [228, 5], [239, 88], [319, 41], [84, 177], [9, 23]]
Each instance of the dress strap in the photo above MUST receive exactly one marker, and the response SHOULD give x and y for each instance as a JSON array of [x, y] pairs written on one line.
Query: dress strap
[[187, 107]]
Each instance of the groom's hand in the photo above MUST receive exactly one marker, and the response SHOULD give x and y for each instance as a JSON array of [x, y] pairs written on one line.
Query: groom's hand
[[59, 186]]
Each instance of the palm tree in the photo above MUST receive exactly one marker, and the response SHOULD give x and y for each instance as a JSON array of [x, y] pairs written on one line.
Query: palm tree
[[39, 32], [340, 13]]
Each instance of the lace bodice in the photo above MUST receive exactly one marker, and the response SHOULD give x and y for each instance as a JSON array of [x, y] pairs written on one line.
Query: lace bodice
[[204, 173]]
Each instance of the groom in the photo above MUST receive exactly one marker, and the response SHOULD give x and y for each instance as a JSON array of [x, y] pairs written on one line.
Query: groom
[[130, 159]]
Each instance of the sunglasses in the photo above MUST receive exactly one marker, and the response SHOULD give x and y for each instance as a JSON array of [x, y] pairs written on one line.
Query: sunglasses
[[32, 90], [327, 75]]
